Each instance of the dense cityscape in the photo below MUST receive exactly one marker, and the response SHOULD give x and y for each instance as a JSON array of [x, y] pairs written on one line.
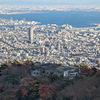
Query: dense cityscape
[[29, 40]]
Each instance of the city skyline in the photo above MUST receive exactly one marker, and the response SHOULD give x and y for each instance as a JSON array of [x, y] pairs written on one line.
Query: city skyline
[[63, 44]]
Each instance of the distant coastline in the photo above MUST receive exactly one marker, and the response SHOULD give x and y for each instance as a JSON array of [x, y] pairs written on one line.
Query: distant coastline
[[74, 18]]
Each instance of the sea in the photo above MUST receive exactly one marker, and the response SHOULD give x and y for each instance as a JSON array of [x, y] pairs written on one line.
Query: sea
[[74, 18]]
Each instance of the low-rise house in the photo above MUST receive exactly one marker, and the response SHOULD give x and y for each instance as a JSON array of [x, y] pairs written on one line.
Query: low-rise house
[[36, 72], [46, 69], [71, 72]]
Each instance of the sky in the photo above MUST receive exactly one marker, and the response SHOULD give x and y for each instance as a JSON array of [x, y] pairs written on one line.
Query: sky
[[50, 2]]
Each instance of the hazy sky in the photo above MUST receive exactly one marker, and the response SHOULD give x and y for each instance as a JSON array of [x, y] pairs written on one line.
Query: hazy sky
[[51, 2]]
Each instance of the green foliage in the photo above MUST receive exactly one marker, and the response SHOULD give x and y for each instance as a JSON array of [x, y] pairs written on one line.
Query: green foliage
[[17, 63], [37, 62], [29, 62], [78, 77], [33, 91], [52, 77], [14, 78], [97, 74], [1, 89], [32, 68], [83, 66], [87, 98], [3, 66], [9, 62], [76, 65], [67, 98], [63, 84], [19, 95]]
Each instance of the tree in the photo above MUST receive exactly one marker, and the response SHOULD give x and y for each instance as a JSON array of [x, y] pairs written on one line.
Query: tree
[[1, 87], [46, 91], [67, 98], [33, 91], [29, 62], [52, 77], [19, 95], [83, 66], [24, 92], [18, 63]]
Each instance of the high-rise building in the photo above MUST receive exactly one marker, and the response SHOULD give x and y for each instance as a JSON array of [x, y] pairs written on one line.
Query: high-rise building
[[42, 49], [99, 61], [58, 46], [31, 35], [0, 46]]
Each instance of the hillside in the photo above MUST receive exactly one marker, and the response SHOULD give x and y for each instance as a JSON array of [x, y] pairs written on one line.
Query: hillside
[[86, 89], [17, 83]]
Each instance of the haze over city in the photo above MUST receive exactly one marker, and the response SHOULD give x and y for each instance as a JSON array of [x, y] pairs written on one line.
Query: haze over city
[[50, 2]]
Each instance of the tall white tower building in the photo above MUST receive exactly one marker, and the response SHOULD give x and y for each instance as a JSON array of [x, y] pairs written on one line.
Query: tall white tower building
[[31, 35]]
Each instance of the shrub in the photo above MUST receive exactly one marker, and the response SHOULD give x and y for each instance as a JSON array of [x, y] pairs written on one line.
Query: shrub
[[29, 62], [97, 74], [67, 98], [17, 63]]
